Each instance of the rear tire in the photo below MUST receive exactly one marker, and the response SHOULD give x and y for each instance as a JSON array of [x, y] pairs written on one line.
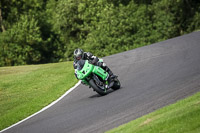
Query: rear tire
[[96, 88], [116, 85]]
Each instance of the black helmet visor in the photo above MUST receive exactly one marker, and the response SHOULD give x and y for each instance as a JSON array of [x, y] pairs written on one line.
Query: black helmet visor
[[78, 57]]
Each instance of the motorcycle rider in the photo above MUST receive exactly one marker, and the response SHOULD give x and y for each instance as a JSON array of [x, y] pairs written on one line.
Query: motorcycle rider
[[80, 54]]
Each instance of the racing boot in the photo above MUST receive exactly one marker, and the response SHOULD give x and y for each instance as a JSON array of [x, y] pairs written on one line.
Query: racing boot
[[112, 76], [104, 66]]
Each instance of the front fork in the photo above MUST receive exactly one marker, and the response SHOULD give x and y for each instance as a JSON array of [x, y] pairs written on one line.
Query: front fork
[[103, 85]]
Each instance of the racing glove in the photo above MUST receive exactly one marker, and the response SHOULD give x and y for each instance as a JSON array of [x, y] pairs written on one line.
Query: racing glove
[[95, 60]]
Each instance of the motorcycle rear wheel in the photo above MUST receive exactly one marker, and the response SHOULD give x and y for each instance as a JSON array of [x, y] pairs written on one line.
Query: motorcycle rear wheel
[[116, 85]]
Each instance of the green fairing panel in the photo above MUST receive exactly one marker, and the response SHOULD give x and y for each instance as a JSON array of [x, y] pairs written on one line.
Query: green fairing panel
[[88, 69], [85, 71], [100, 72]]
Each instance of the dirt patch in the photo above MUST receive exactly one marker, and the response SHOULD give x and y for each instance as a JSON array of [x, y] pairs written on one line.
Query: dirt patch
[[146, 122]]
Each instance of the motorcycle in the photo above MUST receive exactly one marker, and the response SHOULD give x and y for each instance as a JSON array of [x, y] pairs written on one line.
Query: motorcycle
[[96, 77]]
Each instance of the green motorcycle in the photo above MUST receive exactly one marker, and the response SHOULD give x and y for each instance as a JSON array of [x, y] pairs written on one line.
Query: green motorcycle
[[96, 77]]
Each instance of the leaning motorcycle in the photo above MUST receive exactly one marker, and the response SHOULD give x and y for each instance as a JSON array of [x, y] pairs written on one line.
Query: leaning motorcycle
[[96, 77]]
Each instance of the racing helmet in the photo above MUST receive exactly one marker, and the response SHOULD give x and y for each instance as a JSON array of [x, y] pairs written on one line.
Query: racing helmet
[[78, 54]]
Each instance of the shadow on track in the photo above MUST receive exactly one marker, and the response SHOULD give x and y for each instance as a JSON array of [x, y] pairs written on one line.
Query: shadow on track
[[109, 91]]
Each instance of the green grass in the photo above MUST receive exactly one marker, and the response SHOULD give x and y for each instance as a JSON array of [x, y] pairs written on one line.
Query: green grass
[[181, 117], [25, 90]]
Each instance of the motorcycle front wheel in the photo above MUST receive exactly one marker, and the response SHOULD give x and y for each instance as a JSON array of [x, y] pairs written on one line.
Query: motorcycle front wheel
[[96, 88]]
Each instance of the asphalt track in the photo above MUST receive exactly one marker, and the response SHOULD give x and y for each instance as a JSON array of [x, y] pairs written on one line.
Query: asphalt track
[[152, 77]]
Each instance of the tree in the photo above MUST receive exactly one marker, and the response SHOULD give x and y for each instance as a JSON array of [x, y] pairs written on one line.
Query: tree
[[22, 43], [1, 22], [41, 31]]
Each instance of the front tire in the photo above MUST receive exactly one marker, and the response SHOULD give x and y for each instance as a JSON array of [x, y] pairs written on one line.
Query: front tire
[[96, 88]]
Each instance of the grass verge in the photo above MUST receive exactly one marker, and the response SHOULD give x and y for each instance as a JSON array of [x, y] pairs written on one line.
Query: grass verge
[[181, 117], [25, 90]]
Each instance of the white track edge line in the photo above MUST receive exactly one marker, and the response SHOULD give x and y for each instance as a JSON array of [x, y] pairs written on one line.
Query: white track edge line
[[43, 109]]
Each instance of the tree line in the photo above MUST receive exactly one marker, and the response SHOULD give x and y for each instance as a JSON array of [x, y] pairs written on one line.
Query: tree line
[[43, 31]]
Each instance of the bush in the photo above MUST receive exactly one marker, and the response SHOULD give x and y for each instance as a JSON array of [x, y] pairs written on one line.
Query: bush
[[22, 43], [49, 30]]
